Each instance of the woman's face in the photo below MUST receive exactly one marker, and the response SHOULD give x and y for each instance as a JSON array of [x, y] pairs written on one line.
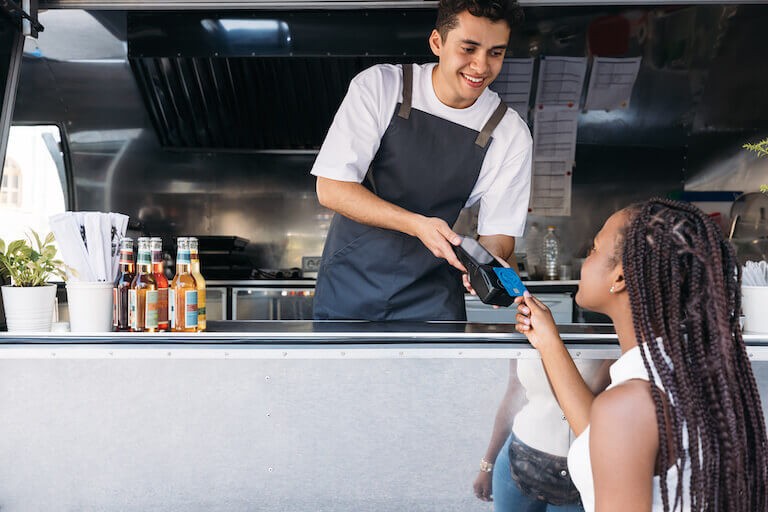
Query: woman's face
[[602, 266]]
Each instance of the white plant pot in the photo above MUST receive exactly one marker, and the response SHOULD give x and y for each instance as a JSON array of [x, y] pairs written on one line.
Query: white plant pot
[[754, 304], [29, 308]]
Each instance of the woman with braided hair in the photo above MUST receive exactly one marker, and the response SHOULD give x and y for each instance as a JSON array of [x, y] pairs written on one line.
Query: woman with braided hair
[[681, 426]]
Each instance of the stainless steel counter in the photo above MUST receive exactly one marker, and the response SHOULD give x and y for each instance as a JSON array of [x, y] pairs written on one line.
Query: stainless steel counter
[[278, 416], [350, 339]]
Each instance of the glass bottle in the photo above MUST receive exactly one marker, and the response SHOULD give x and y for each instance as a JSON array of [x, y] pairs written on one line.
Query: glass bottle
[[550, 254], [182, 295], [125, 274], [143, 293], [195, 260], [158, 264]]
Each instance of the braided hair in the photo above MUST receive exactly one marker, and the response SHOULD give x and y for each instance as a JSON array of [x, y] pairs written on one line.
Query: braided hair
[[684, 286]]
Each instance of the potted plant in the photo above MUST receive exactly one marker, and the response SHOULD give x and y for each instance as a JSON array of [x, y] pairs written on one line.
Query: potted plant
[[761, 148], [29, 299]]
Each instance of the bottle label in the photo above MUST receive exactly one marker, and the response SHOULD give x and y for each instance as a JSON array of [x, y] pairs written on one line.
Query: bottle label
[[144, 258], [172, 308], [132, 316], [114, 307], [151, 310], [126, 256], [163, 307], [190, 309]]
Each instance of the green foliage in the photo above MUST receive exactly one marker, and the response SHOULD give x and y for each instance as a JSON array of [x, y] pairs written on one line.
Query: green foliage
[[30, 262], [761, 148]]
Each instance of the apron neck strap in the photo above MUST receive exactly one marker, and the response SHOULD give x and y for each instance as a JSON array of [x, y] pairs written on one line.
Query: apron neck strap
[[405, 106], [485, 134]]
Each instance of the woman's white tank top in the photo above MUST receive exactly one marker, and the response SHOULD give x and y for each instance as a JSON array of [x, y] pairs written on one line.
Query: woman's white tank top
[[629, 366]]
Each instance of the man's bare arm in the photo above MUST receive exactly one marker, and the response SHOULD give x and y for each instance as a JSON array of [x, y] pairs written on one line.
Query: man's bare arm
[[356, 202], [502, 246]]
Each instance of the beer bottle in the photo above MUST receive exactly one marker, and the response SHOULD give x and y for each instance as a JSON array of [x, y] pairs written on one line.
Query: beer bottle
[[120, 317], [156, 246], [182, 295], [143, 293], [194, 257]]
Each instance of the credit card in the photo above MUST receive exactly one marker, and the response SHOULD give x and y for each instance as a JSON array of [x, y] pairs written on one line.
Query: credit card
[[510, 281]]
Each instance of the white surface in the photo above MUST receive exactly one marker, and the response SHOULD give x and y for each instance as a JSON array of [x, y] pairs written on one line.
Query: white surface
[[29, 309], [355, 134], [90, 306], [243, 435], [754, 305]]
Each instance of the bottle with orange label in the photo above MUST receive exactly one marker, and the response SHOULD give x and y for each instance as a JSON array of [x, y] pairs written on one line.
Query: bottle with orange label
[[143, 295], [158, 270], [182, 295], [120, 292]]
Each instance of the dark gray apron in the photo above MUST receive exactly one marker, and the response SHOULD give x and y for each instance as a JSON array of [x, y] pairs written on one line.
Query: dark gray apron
[[426, 165]]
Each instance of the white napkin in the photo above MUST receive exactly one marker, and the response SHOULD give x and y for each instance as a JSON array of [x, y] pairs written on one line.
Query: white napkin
[[755, 273], [89, 243]]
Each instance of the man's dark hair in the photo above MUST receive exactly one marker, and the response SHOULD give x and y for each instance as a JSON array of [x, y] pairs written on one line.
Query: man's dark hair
[[495, 10]]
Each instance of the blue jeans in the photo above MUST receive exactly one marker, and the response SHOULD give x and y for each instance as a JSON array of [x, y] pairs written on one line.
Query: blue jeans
[[507, 496]]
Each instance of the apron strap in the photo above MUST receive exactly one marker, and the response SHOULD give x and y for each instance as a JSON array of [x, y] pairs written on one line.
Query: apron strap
[[485, 134], [405, 106]]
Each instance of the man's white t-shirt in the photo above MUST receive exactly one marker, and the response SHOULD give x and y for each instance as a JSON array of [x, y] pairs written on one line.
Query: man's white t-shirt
[[503, 186]]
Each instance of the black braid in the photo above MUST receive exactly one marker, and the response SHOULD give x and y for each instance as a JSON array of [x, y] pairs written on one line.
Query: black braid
[[684, 285]]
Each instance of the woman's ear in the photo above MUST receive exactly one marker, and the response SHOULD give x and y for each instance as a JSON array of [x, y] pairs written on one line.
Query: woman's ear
[[436, 42], [619, 284]]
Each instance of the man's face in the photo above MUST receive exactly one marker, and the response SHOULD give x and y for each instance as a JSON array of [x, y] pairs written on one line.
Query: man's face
[[470, 58]]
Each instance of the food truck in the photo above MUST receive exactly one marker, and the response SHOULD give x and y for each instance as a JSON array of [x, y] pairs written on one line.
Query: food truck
[[202, 118]]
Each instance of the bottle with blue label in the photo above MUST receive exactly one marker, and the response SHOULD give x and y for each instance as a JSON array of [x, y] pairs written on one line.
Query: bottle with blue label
[[182, 295], [143, 299]]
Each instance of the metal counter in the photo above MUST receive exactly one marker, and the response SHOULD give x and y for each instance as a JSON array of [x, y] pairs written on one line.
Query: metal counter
[[273, 416]]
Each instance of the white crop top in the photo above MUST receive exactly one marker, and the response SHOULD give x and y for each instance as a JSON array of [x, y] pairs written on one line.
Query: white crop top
[[629, 366]]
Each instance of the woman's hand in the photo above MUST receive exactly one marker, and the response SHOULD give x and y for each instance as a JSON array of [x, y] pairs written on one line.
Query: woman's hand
[[535, 321], [482, 485]]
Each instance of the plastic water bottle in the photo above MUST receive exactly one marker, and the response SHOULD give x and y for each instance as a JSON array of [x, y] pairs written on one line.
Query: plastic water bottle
[[550, 250]]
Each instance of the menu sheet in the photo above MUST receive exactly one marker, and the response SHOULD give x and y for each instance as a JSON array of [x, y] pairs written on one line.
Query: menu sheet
[[611, 83], [554, 133], [551, 188], [513, 84], [561, 80]]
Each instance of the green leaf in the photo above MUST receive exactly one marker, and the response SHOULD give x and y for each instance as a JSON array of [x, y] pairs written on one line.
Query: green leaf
[[37, 239], [49, 238]]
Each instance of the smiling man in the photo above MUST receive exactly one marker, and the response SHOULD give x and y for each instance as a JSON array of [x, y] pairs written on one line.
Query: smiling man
[[411, 146]]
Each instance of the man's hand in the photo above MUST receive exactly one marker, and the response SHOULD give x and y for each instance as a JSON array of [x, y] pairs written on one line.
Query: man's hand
[[439, 238]]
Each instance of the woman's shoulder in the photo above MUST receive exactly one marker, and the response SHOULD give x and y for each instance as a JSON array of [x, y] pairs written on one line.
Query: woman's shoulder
[[624, 413]]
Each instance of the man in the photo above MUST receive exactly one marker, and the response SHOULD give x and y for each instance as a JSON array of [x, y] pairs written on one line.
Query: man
[[410, 146]]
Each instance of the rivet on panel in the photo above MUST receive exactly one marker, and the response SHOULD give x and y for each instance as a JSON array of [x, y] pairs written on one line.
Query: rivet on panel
[[267, 377]]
